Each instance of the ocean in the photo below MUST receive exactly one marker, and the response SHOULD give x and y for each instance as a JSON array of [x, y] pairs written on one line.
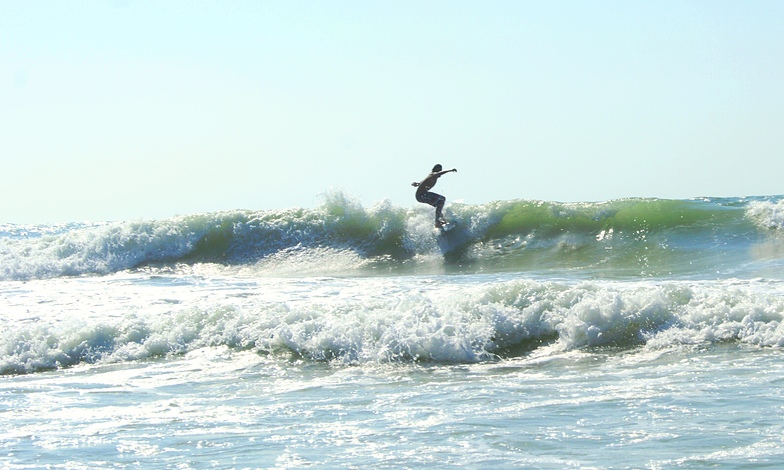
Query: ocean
[[634, 333]]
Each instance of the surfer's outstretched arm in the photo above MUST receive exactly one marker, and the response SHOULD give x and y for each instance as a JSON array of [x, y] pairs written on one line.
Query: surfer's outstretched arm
[[432, 177]]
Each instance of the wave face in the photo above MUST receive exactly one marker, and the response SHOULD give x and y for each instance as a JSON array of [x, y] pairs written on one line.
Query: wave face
[[722, 237]]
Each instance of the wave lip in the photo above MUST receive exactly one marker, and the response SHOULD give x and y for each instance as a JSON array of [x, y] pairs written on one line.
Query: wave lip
[[768, 214]]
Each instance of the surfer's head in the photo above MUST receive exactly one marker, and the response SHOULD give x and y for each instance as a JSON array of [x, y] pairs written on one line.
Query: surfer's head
[[437, 168]]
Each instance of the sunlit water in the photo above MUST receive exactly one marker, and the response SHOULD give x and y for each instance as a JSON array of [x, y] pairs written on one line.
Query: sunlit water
[[638, 344]]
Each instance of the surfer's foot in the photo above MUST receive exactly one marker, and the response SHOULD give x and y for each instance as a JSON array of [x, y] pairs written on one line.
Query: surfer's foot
[[440, 223]]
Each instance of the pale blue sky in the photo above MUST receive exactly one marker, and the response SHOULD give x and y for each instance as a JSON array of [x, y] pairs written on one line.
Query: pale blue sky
[[123, 110]]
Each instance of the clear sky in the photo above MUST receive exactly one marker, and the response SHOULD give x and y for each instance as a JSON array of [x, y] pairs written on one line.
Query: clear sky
[[121, 110]]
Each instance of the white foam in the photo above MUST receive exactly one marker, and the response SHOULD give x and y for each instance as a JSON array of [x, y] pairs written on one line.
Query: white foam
[[370, 320], [767, 214], [99, 250]]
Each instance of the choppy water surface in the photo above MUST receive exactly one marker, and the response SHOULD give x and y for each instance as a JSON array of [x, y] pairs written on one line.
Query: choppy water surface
[[627, 334]]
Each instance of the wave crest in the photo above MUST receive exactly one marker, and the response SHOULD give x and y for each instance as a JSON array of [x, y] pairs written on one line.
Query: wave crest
[[768, 214]]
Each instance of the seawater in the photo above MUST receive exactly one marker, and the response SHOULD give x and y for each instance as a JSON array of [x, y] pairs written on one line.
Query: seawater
[[637, 333]]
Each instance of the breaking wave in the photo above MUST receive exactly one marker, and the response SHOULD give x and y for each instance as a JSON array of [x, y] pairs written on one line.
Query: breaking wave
[[627, 237], [458, 324]]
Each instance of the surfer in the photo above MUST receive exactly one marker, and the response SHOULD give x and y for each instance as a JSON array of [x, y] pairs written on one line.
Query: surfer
[[424, 195]]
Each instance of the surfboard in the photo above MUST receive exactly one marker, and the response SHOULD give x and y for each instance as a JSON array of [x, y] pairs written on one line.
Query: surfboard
[[447, 227]]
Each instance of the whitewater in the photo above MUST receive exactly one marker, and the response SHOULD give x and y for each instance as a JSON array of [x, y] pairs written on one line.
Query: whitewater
[[634, 333]]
